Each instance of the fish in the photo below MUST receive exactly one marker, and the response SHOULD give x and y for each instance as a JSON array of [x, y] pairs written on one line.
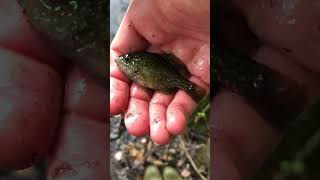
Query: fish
[[276, 97], [158, 72]]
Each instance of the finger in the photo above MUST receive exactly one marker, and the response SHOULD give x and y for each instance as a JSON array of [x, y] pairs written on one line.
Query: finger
[[137, 114], [288, 35], [178, 111], [200, 64], [139, 92], [241, 139], [276, 60], [81, 150], [181, 108], [119, 96], [30, 99], [16, 33], [196, 56], [126, 40], [85, 96], [158, 108]]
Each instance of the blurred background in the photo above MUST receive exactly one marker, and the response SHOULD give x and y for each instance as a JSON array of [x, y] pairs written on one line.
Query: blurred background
[[117, 11]]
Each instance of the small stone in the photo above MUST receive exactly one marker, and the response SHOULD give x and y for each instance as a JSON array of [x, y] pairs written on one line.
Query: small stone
[[180, 163], [158, 163], [118, 155], [133, 152], [150, 159], [58, 8], [24, 173], [144, 140], [173, 151], [185, 173]]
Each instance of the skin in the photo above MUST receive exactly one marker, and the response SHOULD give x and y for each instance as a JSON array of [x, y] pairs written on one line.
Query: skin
[[179, 27], [239, 150], [48, 110]]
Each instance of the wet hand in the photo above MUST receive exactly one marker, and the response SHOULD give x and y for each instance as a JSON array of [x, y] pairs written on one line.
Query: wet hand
[[178, 27]]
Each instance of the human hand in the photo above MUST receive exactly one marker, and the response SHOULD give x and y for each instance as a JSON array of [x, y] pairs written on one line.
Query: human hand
[[289, 37], [179, 27], [47, 109]]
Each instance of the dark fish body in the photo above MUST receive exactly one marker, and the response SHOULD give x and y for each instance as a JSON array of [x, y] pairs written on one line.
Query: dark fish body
[[154, 71], [275, 96]]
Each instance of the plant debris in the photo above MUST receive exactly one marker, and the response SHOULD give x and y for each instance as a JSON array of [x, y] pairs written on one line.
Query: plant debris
[[138, 153]]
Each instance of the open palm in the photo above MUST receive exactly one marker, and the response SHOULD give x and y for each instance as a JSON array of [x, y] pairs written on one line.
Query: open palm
[[179, 27]]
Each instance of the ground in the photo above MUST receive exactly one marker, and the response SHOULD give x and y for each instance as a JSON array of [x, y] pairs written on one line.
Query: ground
[[130, 156]]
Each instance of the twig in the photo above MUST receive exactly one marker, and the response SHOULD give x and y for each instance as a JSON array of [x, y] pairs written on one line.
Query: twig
[[309, 147], [307, 124], [206, 108], [193, 164], [45, 5]]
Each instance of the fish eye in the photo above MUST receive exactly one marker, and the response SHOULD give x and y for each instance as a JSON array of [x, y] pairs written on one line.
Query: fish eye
[[126, 58]]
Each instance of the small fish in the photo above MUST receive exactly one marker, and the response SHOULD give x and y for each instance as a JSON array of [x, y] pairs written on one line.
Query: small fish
[[156, 72], [275, 96]]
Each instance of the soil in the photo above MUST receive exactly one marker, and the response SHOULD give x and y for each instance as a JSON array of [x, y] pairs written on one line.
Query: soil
[[137, 153]]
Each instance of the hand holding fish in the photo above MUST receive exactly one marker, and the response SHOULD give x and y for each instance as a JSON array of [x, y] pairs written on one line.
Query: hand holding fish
[[158, 27]]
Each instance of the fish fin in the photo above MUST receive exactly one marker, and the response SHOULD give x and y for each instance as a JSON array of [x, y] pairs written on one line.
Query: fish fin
[[177, 64], [196, 92], [168, 91]]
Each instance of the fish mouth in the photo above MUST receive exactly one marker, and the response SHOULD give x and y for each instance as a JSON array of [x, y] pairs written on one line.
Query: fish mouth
[[117, 60]]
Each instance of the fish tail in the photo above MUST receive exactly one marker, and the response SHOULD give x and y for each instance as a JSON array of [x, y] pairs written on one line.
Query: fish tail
[[195, 91]]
